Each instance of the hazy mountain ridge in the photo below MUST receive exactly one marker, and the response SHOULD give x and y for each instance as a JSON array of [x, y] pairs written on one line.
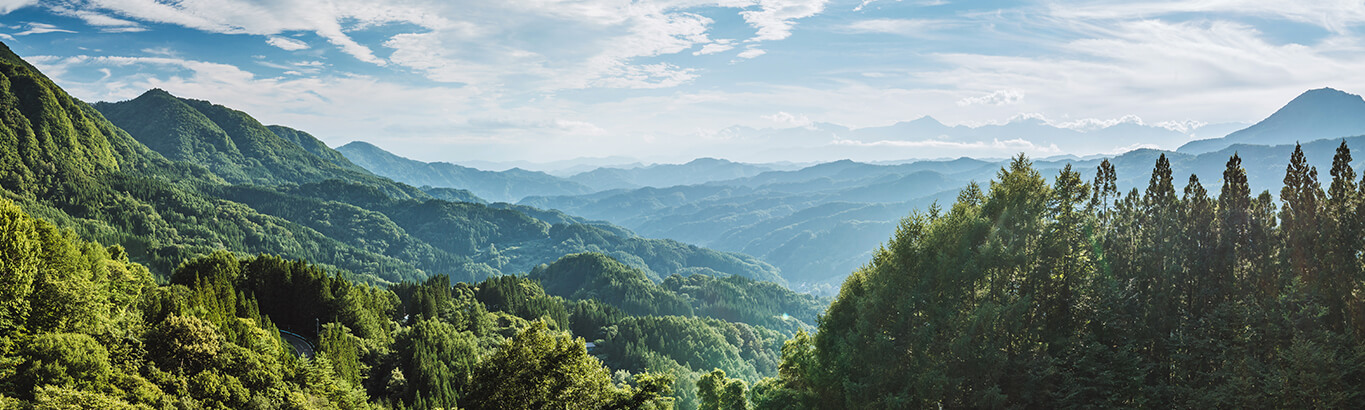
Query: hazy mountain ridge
[[926, 137], [697, 171], [502, 186]]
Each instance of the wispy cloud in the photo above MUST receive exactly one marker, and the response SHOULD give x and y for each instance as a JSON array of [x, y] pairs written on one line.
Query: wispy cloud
[[41, 28], [1335, 15], [897, 26], [104, 22], [259, 18]]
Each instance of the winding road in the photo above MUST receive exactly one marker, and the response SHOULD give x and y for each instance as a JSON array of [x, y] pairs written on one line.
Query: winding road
[[301, 345]]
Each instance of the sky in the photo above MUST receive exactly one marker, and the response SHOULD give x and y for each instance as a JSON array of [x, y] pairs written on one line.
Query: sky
[[671, 80]]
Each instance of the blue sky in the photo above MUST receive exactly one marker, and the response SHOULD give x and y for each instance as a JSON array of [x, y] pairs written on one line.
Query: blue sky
[[668, 80]]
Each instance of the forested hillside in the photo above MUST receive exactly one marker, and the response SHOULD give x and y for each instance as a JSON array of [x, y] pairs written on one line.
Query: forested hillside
[[1026, 293], [410, 308], [83, 326]]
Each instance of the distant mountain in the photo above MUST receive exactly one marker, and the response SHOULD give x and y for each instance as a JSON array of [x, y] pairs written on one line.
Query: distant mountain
[[504, 186], [1313, 115], [1076, 139], [821, 222], [926, 137], [561, 168], [697, 171], [817, 224]]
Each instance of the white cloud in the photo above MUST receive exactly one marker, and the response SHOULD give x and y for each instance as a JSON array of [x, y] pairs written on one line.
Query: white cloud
[[997, 97], [751, 53], [784, 119], [1334, 15], [542, 45], [1091, 124], [161, 51], [7, 6], [1165, 70], [775, 18], [287, 44], [719, 46], [1184, 127], [590, 44], [261, 18], [106, 23]]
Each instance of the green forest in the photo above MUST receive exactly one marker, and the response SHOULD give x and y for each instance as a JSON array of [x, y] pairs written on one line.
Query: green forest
[[85, 327], [1073, 294]]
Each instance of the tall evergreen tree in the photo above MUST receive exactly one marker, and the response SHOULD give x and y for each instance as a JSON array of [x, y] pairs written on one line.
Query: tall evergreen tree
[[1301, 197], [1341, 241], [1234, 231]]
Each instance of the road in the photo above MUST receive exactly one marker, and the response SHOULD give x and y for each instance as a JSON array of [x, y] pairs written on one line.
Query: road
[[301, 345]]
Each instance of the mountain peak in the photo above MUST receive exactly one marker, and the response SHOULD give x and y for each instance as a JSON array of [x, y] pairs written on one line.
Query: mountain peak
[[156, 92], [1313, 115], [1323, 97], [926, 120]]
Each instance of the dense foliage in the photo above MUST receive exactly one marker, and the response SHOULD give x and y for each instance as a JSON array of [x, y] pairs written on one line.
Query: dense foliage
[[1068, 294], [593, 276], [83, 326]]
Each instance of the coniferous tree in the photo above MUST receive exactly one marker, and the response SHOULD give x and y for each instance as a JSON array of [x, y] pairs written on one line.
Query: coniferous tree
[[1340, 243], [1301, 197], [1234, 230]]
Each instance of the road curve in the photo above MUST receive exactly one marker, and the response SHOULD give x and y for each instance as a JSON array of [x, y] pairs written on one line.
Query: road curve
[[301, 346]]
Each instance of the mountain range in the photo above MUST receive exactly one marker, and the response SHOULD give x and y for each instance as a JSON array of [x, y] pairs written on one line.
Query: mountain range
[[191, 177], [502, 186], [166, 266], [819, 223]]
